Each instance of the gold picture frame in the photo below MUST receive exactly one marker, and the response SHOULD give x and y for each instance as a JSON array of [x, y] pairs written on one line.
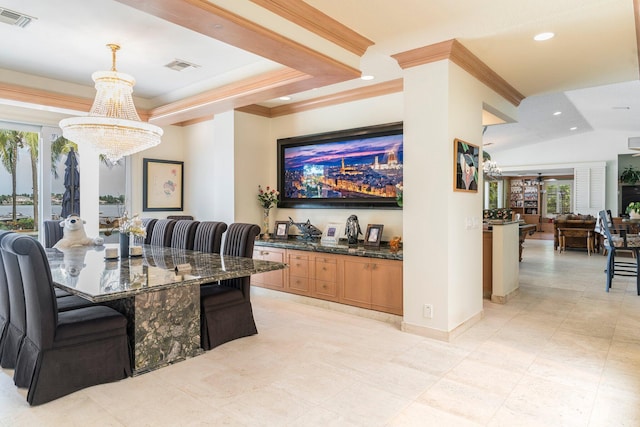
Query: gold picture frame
[[466, 166]]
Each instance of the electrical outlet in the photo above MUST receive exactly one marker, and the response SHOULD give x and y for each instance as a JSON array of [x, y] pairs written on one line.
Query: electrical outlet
[[427, 311]]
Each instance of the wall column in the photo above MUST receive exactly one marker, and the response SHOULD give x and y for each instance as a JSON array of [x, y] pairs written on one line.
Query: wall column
[[442, 227]]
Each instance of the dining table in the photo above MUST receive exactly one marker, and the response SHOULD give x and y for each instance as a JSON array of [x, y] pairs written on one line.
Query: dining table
[[158, 292]]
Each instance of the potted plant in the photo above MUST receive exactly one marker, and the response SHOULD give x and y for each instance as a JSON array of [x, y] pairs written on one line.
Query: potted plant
[[634, 210], [630, 175]]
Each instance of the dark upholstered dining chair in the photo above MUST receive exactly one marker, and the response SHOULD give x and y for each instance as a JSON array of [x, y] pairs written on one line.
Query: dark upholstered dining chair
[[4, 297], [225, 307], [184, 233], [63, 352], [52, 232], [162, 232], [208, 236], [16, 329], [148, 224]]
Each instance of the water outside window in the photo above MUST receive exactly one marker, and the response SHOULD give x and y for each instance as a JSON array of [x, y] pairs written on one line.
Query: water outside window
[[19, 152]]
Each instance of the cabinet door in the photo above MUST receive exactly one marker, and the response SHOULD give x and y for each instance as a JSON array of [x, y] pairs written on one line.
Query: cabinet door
[[386, 287], [356, 282], [270, 279]]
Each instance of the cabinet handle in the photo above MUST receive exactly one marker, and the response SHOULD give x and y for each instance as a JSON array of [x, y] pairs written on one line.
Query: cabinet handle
[[366, 266]]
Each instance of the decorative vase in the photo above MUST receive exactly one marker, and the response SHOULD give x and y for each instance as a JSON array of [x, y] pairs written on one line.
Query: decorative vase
[[124, 245], [265, 223], [634, 215]]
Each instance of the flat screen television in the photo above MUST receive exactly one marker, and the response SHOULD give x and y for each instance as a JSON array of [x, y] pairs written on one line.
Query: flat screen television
[[353, 168]]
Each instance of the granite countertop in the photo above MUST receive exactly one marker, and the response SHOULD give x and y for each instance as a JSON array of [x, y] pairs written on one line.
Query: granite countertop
[[85, 272], [342, 248]]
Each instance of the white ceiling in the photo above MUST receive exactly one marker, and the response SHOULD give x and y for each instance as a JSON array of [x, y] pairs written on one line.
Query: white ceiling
[[595, 45]]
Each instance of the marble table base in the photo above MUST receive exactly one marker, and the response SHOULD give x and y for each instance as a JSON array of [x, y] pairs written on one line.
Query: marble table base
[[163, 326]]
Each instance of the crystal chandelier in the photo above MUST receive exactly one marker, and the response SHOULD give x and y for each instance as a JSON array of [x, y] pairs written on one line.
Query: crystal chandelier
[[491, 169], [113, 126]]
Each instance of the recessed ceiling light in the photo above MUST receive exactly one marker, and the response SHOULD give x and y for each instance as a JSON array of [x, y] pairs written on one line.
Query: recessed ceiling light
[[543, 36], [573, 128], [557, 113], [285, 98], [367, 77]]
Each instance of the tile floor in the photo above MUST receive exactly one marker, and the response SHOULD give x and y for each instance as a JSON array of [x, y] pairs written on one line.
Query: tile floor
[[562, 353]]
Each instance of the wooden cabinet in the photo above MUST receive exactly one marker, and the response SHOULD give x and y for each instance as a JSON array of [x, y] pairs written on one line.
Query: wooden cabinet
[[371, 283], [525, 196], [270, 279], [525, 199]]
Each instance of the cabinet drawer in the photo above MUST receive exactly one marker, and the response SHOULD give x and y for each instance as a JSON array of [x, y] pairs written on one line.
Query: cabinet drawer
[[326, 271], [326, 290], [299, 284], [299, 265]]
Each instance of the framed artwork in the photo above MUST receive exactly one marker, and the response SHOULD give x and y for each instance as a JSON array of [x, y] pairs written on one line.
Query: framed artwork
[[331, 233], [162, 185], [373, 236], [465, 166], [282, 230]]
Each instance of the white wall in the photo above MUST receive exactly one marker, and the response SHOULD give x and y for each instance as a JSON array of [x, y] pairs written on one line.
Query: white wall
[[255, 165], [595, 146], [172, 147]]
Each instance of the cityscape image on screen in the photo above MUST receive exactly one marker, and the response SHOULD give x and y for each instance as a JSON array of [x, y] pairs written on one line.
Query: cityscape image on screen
[[368, 167]]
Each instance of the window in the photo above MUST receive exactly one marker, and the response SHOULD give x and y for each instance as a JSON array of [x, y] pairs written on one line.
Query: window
[[18, 179], [557, 197], [493, 194]]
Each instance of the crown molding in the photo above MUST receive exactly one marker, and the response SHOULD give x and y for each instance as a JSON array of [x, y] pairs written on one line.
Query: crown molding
[[385, 88], [454, 51], [311, 19]]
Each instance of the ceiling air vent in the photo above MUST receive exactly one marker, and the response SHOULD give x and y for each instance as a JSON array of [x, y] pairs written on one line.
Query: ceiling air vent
[[14, 18], [179, 65]]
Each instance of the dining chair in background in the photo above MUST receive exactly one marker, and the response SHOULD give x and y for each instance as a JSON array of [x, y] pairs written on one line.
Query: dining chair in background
[[68, 351], [184, 233], [208, 237], [616, 243], [148, 224], [52, 232], [225, 308], [162, 232]]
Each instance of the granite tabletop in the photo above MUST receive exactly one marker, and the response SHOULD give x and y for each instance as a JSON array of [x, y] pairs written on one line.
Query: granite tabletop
[[341, 248], [84, 271]]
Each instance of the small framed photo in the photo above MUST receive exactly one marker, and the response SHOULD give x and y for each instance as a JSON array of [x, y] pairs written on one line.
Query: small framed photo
[[331, 233], [282, 230], [373, 236]]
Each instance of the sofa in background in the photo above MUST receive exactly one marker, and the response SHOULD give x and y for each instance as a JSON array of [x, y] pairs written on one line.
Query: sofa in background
[[573, 221]]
